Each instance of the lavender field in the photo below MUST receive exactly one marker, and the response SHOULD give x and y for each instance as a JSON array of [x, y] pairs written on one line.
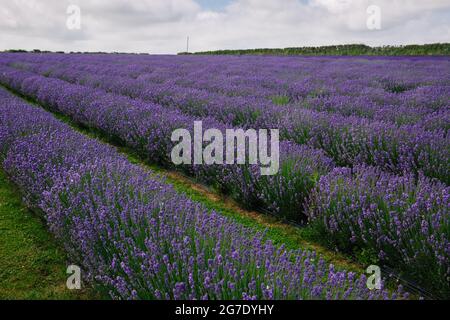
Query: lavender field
[[364, 168]]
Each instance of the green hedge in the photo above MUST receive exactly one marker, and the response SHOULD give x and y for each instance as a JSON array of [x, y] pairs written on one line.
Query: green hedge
[[345, 50]]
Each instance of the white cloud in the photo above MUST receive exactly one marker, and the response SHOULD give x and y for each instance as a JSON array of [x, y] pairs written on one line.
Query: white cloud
[[161, 26]]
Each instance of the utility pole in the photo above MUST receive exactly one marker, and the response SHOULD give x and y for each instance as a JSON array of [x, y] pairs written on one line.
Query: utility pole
[[187, 45]]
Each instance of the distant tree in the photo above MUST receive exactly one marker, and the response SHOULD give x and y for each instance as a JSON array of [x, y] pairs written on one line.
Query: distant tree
[[343, 50]]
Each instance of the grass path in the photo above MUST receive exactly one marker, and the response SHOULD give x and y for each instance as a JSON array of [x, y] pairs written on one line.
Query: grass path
[[32, 265]]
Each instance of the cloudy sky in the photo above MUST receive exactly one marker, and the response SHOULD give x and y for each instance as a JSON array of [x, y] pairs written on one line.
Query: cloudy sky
[[162, 26]]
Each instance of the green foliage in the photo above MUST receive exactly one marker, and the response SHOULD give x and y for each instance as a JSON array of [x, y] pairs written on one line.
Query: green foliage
[[280, 100], [439, 49]]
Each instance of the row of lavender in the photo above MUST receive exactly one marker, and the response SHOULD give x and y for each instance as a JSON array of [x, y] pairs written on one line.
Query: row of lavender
[[401, 91], [414, 240], [136, 237], [147, 128], [404, 219], [348, 140], [366, 93]]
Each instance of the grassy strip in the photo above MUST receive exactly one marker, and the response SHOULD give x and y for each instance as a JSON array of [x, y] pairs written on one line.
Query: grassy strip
[[32, 265], [291, 237]]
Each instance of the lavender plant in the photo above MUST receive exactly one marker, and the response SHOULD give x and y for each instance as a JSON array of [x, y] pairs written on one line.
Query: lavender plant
[[404, 219]]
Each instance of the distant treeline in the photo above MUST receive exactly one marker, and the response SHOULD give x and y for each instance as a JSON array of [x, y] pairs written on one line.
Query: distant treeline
[[62, 52], [438, 49], [434, 49]]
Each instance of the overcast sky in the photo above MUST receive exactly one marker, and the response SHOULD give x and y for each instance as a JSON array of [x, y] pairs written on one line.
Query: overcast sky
[[161, 26]]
